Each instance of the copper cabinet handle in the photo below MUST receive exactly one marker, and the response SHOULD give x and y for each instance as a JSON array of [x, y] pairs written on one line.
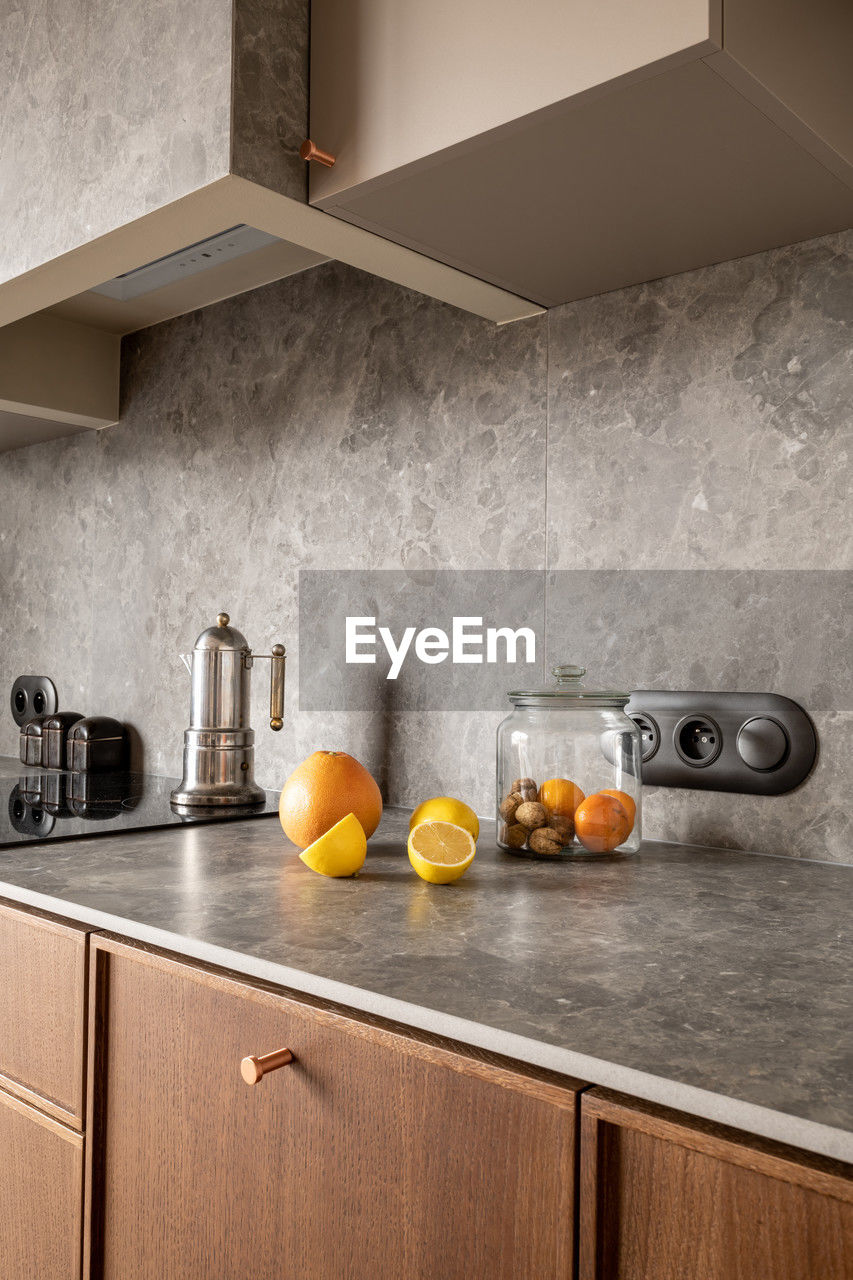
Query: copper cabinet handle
[[253, 1069], [310, 151]]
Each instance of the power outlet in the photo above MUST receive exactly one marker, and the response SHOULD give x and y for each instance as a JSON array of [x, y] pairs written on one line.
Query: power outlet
[[33, 696], [753, 743], [698, 741], [650, 734]]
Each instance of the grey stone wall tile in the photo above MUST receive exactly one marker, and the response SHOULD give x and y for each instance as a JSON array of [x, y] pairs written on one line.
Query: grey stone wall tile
[[49, 499], [700, 421], [334, 421], [270, 93], [113, 110], [329, 420]]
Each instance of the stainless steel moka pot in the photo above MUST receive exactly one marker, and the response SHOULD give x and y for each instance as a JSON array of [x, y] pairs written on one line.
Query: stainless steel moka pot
[[219, 745]]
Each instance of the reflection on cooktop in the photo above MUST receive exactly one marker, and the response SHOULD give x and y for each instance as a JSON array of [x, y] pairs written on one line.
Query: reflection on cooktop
[[55, 805]]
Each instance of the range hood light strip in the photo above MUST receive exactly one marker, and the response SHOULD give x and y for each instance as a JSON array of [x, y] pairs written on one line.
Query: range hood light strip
[[201, 256]]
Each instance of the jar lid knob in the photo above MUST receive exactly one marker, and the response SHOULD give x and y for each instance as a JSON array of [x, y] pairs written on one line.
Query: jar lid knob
[[222, 619], [567, 674]]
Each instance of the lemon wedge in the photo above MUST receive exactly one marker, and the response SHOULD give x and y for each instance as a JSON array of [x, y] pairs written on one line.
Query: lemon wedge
[[440, 852], [340, 852], [447, 809]]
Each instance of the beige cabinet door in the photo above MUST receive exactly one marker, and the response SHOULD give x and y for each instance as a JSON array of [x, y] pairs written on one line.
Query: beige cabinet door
[[561, 150], [395, 81]]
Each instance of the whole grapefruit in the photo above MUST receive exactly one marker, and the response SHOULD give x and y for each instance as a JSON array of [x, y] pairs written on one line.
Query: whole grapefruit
[[322, 790]]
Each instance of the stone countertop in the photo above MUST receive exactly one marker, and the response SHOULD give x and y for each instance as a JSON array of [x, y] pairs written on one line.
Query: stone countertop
[[715, 982]]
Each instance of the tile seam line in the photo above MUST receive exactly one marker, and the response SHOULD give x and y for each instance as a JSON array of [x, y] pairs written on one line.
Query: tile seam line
[[100, 446]]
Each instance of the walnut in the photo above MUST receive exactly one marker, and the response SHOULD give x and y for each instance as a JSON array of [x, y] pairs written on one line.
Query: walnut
[[563, 825], [546, 840], [531, 814], [527, 788], [509, 806], [513, 836]]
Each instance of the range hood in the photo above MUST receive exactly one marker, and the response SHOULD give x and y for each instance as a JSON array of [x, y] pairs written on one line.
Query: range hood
[[110, 212]]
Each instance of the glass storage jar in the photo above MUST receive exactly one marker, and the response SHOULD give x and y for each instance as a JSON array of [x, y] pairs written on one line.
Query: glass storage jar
[[568, 772]]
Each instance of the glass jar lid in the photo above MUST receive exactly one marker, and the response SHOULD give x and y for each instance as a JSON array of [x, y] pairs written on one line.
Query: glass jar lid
[[568, 690]]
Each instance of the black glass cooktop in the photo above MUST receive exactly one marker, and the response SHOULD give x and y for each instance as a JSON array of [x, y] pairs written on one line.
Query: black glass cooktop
[[51, 805]]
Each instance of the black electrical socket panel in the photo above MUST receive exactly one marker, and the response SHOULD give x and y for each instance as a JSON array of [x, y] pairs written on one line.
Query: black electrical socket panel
[[33, 696], [753, 743]]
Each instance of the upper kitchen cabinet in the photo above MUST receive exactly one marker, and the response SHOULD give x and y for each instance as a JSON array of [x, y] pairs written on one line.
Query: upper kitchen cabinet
[[132, 132], [563, 149], [149, 165], [113, 111]]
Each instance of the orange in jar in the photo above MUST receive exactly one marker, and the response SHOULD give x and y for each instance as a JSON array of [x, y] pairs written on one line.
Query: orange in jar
[[626, 802], [560, 796], [601, 823]]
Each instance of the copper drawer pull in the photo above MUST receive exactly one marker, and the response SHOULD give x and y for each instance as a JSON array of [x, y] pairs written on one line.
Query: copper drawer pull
[[253, 1069], [310, 151]]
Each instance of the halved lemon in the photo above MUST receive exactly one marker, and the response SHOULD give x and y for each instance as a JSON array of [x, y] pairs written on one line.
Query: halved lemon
[[440, 852], [340, 852], [446, 809]]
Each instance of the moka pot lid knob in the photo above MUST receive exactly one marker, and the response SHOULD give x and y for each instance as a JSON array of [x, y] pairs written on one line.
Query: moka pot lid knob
[[222, 636]]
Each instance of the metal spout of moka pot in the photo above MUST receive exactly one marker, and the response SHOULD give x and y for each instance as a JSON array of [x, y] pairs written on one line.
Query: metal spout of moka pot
[[219, 745]]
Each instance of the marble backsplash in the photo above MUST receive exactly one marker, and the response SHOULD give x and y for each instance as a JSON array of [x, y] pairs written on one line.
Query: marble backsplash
[[680, 448]]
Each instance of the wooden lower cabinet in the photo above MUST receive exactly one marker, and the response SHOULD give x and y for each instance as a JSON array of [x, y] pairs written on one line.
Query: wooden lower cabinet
[[41, 1195], [663, 1197], [372, 1155], [43, 1012], [376, 1153]]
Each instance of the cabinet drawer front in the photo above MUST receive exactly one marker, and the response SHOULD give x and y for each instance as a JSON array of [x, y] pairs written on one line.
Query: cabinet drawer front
[[370, 1155], [41, 1195], [42, 1012], [663, 1197]]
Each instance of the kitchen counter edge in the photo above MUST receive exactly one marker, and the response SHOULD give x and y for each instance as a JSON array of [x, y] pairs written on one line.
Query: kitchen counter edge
[[764, 1122]]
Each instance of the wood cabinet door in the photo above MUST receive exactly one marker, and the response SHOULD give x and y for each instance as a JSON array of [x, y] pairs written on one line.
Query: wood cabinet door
[[665, 1197], [41, 1195], [43, 1012], [373, 1154]]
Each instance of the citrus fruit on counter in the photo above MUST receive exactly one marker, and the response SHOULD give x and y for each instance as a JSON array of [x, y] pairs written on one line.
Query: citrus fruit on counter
[[560, 796], [340, 852], [322, 790], [446, 809], [626, 801], [601, 823], [440, 852]]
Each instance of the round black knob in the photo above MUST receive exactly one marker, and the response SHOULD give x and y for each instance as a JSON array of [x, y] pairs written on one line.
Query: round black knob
[[762, 744]]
